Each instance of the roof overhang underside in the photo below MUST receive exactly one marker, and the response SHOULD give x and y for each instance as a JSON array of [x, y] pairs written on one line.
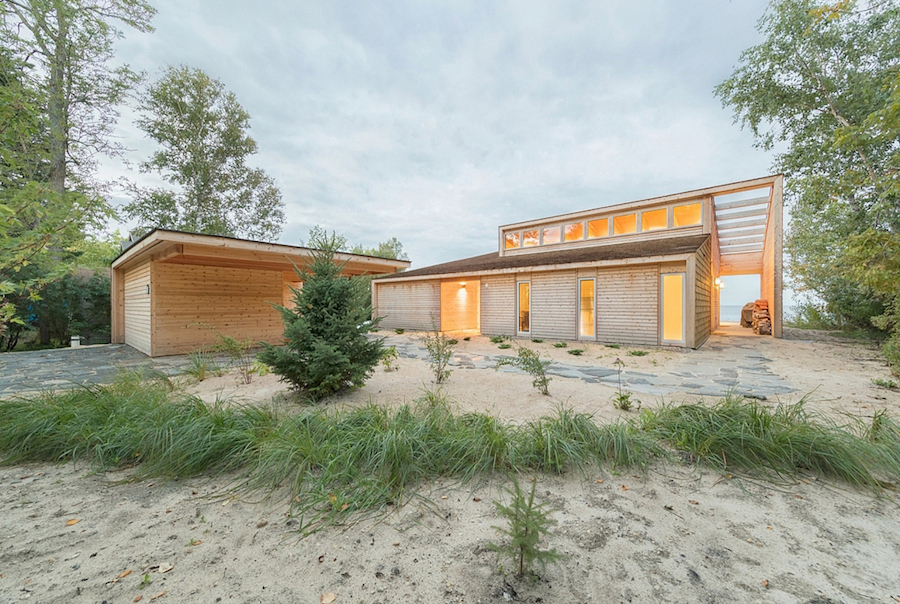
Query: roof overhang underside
[[208, 250], [741, 222]]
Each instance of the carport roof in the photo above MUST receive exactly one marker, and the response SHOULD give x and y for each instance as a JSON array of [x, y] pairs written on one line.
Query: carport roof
[[214, 250], [493, 262]]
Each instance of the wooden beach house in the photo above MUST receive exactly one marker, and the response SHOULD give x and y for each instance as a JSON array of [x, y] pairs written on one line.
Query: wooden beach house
[[646, 272], [168, 283]]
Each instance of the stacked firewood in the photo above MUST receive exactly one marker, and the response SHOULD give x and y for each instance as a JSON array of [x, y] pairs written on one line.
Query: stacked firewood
[[762, 321]]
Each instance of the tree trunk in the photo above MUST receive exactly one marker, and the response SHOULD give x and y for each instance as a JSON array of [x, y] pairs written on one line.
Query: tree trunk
[[57, 106]]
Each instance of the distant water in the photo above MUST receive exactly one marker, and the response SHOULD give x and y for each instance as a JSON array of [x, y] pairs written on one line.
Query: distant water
[[731, 313]]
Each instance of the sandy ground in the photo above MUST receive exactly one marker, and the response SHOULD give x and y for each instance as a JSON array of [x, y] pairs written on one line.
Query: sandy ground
[[676, 535]]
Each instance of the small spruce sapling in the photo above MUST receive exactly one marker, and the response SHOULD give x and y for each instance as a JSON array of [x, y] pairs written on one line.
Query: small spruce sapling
[[530, 362], [528, 523], [440, 351]]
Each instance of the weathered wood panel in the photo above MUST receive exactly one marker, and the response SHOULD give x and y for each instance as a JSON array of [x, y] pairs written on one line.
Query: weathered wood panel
[[137, 308], [409, 305], [703, 294], [554, 304], [459, 305], [234, 301], [498, 305], [628, 305]]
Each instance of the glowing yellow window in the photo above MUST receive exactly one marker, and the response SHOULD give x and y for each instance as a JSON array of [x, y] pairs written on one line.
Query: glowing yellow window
[[586, 308], [552, 235], [598, 228], [688, 215], [531, 238], [673, 307], [653, 220], [625, 224], [512, 240], [574, 231]]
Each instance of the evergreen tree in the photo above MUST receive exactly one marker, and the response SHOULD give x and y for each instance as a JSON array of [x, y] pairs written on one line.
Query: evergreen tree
[[326, 347]]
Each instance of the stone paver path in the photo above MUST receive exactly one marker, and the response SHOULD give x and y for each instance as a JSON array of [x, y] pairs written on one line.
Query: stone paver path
[[723, 364]]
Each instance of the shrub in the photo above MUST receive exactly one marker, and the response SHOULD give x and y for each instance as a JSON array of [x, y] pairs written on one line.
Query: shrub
[[528, 523], [440, 351], [388, 358], [498, 339], [326, 346], [530, 362]]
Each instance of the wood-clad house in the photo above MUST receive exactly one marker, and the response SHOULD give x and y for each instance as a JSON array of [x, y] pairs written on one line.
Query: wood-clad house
[[168, 283], [646, 272]]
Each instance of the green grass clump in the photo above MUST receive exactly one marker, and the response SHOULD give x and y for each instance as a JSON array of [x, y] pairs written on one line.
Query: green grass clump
[[560, 344], [638, 353], [537, 340], [399, 331], [613, 345], [576, 352], [780, 442], [505, 346], [497, 339], [889, 384]]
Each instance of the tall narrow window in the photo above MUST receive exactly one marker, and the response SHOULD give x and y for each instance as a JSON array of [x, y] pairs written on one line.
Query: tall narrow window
[[524, 307], [673, 307], [585, 308]]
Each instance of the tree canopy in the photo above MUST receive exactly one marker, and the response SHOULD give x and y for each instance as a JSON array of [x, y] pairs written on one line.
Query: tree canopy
[[823, 90], [204, 146]]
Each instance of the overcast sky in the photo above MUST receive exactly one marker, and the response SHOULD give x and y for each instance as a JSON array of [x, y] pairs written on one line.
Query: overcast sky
[[437, 122]]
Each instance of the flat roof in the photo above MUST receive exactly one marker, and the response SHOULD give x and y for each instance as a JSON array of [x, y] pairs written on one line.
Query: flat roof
[[158, 239], [653, 248]]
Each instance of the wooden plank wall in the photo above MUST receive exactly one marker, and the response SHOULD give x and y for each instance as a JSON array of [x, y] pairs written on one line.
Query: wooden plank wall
[[554, 304], [459, 305], [409, 305], [771, 282], [233, 300], [137, 308], [703, 294], [628, 305], [498, 305]]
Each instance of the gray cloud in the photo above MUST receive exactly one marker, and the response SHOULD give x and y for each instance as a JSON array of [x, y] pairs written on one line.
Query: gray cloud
[[435, 123]]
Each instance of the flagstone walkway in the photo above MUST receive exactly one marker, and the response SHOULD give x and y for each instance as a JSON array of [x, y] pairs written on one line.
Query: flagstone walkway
[[722, 365]]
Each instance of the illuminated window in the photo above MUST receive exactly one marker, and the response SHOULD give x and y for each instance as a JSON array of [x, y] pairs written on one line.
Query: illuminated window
[[575, 231], [512, 240], [625, 224], [524, 306], [653, 220], [552, 235], [586, 308], [598, 228], [531, 238], [673, 307], [688, 215]]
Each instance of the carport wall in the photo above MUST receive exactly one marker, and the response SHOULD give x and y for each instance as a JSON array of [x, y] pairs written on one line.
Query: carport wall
[[170, 287]]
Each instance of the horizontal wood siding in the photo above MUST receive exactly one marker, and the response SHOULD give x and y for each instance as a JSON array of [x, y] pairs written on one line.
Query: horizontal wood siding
[[554, 304], [233, 300], [703, 286], [409, 305], [628, 305], [498, 305], [137, 308]]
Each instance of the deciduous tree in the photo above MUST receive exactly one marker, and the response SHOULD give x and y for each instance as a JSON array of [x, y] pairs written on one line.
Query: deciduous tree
[[204, 146]]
